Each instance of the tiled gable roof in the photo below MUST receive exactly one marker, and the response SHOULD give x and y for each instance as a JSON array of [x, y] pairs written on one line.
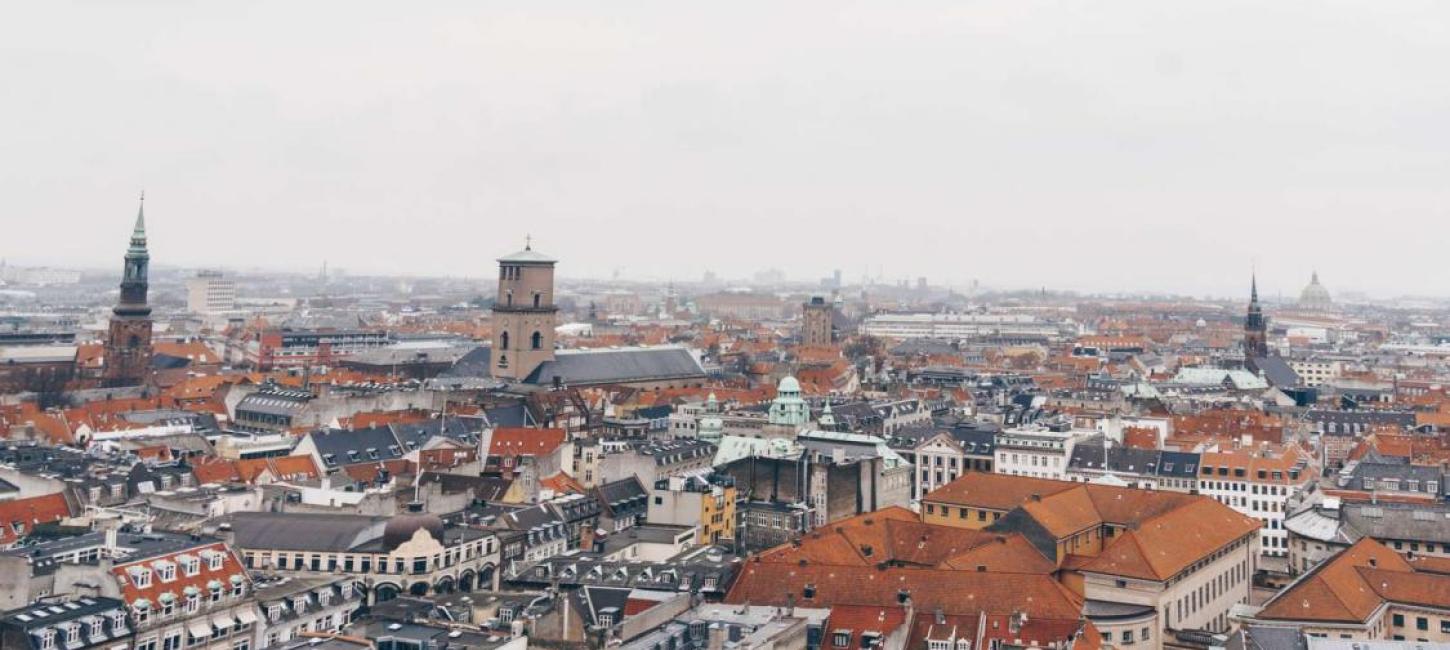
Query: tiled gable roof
[[19, 517], [1337, 589], [510, 441]]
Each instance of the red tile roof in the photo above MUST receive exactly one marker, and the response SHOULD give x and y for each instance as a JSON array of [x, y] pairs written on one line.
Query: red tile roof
[[18, 517], [519, 441]]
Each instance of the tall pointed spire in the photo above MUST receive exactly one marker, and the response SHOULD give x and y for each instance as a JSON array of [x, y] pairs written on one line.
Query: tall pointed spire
[[1254, 286], [138, 234]]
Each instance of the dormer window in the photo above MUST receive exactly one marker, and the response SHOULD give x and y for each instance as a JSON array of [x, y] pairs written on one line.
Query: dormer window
[[329, 460], [97, 627], [274, 612], [373, 453], [73, 634], [118, 623], [214, 561], [165, 570], [842, 639], [141, 577], [46, 637], [352, 455]]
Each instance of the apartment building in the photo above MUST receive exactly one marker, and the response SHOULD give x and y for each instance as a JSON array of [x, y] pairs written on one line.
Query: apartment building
[[1259, 482], [1034, 453]]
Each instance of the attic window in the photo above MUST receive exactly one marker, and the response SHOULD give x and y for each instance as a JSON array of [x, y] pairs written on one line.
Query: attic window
[[842, 639], [809, 591], [373, 453]]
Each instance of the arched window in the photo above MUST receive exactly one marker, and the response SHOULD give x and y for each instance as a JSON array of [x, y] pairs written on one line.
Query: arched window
[[503, 341], [509, 299], [537, 340]]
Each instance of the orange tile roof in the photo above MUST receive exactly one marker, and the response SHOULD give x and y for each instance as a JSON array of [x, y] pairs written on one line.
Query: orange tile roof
[[28, 513], [955, 592], [1163, 546], [520, 441], [196, 351], [1337, 590], [895, 535], [994, 491], [562, 483]]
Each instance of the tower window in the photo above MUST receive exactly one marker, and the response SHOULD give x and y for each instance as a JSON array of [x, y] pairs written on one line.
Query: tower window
[[135, 341], [538, 340], [503, 361], [509, 299], [536, 300], [503, 342]]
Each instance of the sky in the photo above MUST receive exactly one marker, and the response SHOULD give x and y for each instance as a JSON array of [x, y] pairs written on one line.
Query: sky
[[1132, 145]]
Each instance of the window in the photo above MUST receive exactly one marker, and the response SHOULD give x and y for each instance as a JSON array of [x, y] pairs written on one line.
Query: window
[[1422, 623], [503, 341], [1398, 620], [1127, 636], [841, 639], [141, 576], [166, 571], [536, 341], [47, 639]]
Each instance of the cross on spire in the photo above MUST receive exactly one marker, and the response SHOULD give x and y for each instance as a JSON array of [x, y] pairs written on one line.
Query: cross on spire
[[528, 242]]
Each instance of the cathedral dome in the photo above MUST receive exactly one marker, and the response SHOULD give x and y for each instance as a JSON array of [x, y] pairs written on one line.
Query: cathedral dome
[[788, 385], [1315, 296], [401, 528]]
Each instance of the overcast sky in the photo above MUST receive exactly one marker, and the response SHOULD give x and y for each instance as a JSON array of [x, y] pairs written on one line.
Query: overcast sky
[[1100, 146]]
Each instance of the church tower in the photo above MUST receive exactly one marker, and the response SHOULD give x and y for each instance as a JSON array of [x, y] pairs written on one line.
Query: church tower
[[1256, 326], [816, 322], [523, 315], [128, 342]]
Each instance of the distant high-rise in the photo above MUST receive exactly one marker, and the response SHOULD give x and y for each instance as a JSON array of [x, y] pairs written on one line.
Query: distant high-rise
[[523, 314], [127, 355], [1256, 325], [210, 292]]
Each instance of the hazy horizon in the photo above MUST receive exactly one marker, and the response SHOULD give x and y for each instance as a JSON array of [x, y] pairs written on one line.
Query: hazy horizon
[[1102, 148]]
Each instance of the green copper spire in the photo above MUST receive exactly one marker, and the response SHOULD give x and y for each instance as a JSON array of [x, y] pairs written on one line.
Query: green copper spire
[[138, 235]]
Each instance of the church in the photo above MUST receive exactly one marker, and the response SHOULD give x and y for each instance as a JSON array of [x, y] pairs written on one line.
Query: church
[[522, 353]]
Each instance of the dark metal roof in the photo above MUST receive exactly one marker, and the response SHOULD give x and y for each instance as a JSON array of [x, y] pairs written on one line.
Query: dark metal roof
[[584, 367]]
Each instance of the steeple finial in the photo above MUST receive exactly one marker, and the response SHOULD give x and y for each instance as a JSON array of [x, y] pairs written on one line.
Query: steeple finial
[[528, 242], [141, 217]]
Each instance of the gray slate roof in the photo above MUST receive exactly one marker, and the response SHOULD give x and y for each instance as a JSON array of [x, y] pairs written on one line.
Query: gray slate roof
[[585, 367], [304, 532]]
